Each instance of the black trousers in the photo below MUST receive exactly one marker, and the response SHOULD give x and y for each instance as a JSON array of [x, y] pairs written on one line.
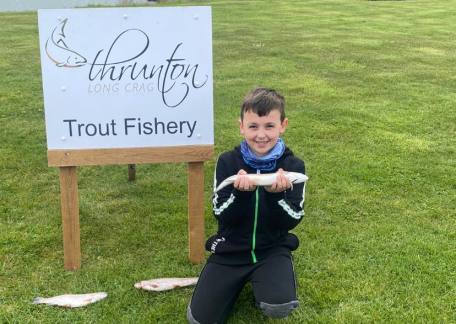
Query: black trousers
[[273, 282]]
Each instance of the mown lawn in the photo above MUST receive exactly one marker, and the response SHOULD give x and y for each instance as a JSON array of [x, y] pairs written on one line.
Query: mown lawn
[[370, 88]]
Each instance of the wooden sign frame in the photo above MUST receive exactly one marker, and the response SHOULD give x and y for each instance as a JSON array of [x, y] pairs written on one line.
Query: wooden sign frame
[[67, 160]]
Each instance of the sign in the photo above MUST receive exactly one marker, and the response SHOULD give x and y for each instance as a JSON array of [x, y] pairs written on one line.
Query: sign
[[127, 77], [127, 86]]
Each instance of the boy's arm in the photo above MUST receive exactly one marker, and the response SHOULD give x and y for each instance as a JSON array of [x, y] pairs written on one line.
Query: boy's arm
[[228, 204], [287, 207]]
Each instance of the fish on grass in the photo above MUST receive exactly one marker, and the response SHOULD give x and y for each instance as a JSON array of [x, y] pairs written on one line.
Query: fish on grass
[[265, 179], [163, 284], [71, 301]]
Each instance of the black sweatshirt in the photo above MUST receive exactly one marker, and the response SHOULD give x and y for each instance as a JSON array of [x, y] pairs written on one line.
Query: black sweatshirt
[[254, 224]]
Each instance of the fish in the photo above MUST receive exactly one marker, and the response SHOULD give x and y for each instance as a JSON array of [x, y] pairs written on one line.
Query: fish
[[59, 52], [71, 301], [162, 284], [265, 179]]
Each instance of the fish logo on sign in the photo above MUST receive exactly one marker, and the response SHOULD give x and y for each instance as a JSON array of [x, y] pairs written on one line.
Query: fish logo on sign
[[58, 51]]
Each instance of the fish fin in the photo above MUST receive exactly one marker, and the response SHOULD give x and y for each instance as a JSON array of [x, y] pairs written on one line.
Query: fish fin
[[63, 23], [38, 300], [60, 42]]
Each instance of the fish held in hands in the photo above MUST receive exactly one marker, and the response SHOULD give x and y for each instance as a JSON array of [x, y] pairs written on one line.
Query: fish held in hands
[[265, 179], [71, 301], [162, 284]]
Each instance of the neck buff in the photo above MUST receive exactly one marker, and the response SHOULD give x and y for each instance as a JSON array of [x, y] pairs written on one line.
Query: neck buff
[[263, 163]]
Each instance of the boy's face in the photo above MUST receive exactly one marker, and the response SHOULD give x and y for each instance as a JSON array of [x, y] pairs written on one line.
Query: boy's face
[[262, 133]]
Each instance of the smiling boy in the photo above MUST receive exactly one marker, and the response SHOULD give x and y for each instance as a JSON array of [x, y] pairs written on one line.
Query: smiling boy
[[252, 243]]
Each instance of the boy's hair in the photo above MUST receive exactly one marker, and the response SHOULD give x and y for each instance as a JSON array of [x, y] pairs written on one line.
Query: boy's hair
[[262, 101]]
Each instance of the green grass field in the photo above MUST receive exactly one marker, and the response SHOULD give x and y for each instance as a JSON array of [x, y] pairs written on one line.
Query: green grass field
[[370, 88]]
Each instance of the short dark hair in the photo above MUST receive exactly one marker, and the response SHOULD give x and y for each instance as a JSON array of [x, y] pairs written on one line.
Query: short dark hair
[[262, 101]]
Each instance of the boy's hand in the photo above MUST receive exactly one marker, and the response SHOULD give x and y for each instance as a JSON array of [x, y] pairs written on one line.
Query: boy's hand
[[281, 183], [243, 182]]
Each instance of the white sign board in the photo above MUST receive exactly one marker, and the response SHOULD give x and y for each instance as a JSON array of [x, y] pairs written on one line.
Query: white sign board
[[127, 77]]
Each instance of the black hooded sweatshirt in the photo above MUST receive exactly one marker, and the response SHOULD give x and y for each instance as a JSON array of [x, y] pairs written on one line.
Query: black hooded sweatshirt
[[254, 224]]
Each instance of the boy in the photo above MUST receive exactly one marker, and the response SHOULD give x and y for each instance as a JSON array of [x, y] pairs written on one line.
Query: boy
[[252, 242]]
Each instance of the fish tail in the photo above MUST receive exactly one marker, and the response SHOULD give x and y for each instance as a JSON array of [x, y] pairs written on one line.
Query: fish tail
[[37, 300]]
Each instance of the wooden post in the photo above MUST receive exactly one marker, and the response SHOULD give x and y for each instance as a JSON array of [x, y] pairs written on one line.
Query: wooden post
[[70, 217], [131, 172], [67, 160], [196, 211]]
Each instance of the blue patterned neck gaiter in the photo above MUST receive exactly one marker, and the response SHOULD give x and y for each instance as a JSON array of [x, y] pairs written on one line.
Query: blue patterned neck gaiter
[[263, 163]]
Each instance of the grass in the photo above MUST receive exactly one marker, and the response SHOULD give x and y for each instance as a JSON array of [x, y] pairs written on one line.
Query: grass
[[370, 97]]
